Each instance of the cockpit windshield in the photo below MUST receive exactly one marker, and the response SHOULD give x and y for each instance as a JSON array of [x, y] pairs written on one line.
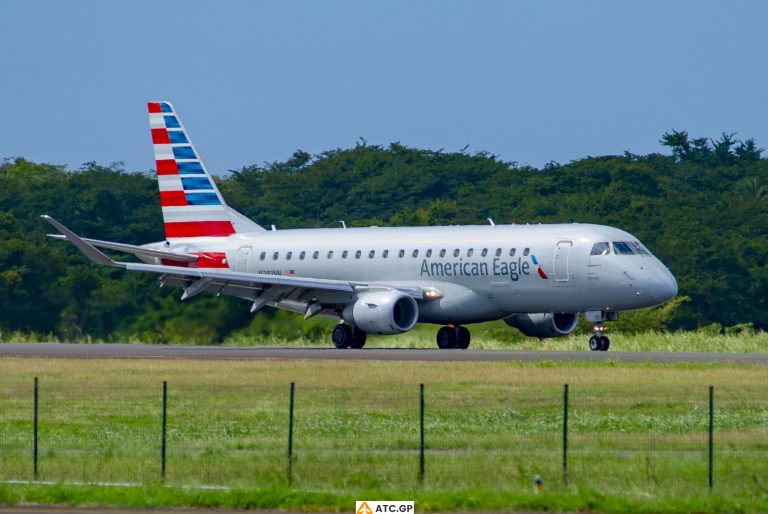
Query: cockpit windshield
[[629, 248], [602, 248]]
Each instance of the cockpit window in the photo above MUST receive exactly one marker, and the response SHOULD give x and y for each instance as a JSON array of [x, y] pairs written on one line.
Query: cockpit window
[[602, 248], [623, 248], [629, 248]]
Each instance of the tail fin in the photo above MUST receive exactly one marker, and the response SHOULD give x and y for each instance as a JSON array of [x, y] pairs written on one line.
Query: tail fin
[[192, 204]]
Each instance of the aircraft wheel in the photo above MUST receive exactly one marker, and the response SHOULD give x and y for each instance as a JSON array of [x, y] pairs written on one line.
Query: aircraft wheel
[[342, 336], [358, 338], [605, 343], [446, 338], [462, 338], [595, 343]]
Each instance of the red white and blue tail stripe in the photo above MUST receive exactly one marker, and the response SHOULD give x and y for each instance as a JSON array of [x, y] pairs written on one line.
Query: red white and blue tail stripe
[[192, 204]]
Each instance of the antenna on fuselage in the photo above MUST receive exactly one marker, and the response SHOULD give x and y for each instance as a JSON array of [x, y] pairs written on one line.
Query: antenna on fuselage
[[491, 222], [343, 225], [274, 228]]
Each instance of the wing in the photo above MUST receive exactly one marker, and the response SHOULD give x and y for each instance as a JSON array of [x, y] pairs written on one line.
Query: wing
[[310, 296]]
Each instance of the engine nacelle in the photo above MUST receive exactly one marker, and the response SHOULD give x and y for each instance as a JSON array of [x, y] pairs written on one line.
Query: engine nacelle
[[383, 312], [544, 324]]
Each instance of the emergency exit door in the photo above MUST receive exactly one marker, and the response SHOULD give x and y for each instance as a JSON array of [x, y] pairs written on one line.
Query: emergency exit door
[[242, 259]]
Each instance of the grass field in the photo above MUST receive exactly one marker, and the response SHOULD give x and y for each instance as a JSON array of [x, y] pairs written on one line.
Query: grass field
[[494, 335], [637, 438]]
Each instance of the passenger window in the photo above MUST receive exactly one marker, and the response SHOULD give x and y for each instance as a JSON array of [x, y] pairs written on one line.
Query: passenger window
[[401, 253], [498, 252], [288, 256], [275, 256], [415, 253], [442, 252], [385, 253], [371, 254], [512, 252], [602, 248], [526, 251], [263, 256], [484, 252], [302, 255], [344, 254], [456, 252], [470, 252], [330, 254], [358, 254], [429, 252], [316, 254]]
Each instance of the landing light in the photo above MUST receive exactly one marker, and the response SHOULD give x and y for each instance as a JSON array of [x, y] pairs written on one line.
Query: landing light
[[431, 293]]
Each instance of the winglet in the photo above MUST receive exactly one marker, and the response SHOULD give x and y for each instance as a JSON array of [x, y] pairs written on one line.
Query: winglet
[[91, 252]]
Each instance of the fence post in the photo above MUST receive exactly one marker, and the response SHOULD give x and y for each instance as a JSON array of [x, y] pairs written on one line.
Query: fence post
[[565, 434], [711, 432], [34, 431], [165, 423], [421, 433], [290, 434]]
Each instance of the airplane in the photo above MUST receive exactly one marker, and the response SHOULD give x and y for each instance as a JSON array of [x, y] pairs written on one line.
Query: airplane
[[384, 280]]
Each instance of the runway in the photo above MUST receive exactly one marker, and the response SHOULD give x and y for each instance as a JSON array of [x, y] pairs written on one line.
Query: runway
[[146, 351]]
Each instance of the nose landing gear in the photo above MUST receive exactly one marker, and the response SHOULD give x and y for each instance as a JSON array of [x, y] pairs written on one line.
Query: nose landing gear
[[598, 342], [453, 336]]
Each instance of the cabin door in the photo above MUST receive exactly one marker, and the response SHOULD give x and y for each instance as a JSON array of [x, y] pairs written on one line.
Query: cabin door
[[561, 264]]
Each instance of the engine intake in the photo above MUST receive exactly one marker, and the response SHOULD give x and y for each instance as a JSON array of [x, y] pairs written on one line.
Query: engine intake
[[544, 324], [383, 312]]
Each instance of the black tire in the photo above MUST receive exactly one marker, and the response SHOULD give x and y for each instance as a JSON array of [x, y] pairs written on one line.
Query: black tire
[[446, 338], [595, 343], [605, 343], [358, 338], [341, 336], [462, 338]]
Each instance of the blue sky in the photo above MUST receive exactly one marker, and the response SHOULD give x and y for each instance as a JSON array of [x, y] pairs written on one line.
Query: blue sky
[[529, 81]]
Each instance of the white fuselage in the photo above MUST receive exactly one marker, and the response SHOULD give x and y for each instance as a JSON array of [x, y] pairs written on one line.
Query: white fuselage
[[481, 272]]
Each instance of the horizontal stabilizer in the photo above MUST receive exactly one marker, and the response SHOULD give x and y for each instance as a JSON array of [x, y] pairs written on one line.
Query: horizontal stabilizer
[[90, 251], [135, 250]]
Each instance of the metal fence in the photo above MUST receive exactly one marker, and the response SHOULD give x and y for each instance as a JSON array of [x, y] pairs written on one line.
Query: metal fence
[[658, 438]]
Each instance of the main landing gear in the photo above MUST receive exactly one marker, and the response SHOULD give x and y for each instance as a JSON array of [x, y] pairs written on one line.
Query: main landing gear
[[453, 336], [347, 336]]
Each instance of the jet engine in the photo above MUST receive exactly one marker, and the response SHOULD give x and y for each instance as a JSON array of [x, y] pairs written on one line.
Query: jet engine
[[544, 324], [383, 312]]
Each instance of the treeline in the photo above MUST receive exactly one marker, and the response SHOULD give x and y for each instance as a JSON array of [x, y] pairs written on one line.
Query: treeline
[[702, 210]]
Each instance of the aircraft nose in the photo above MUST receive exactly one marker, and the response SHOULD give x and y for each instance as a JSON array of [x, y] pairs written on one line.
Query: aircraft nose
[[663, 286]]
